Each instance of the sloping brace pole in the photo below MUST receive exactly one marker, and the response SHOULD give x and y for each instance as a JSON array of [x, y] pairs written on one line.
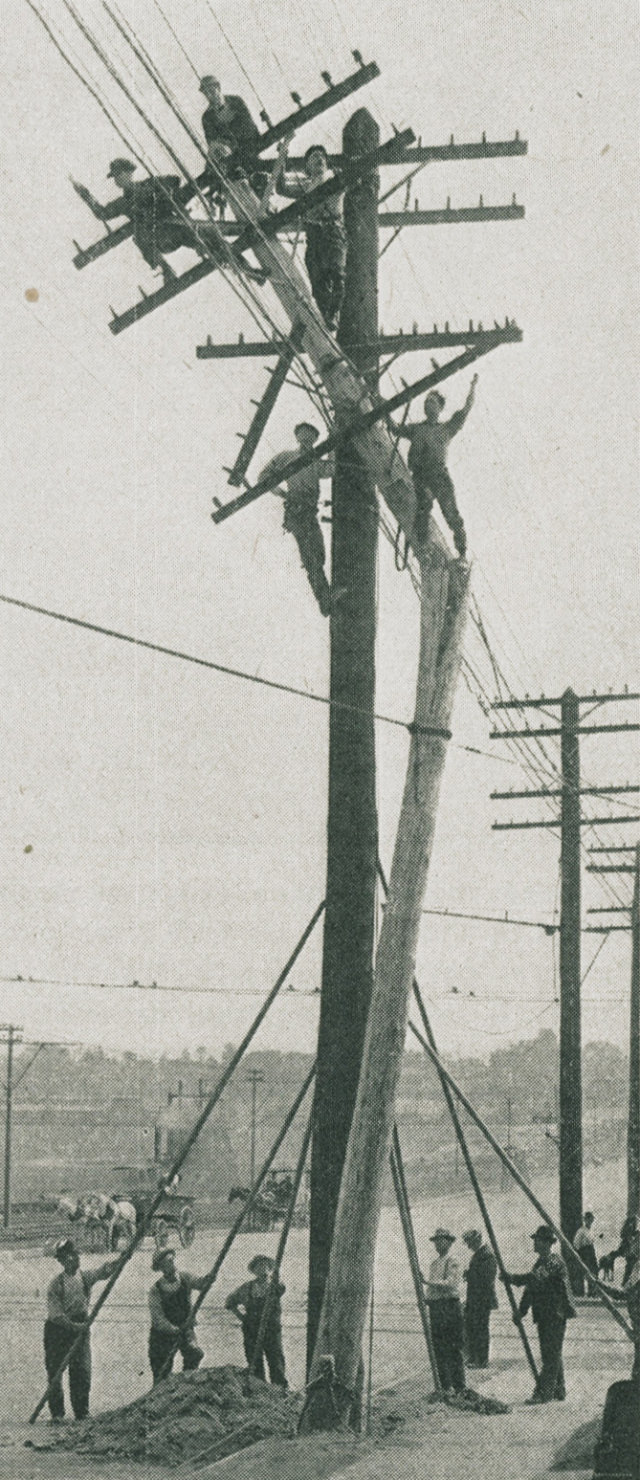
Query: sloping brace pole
[[473, 1177], [402, 1199], [245, 1210], [181, 1158], [282, 1244], [519, 1180], [484, 1211], [289, 349]]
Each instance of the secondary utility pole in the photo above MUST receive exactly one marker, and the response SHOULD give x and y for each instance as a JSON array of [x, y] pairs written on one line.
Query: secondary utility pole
[[633, 1121], [12, 1035], [352, 829], [255, 1077], [569, 793]]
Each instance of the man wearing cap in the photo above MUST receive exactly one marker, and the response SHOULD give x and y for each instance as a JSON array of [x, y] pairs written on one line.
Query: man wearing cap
[[231, 134], [301, 501], [159, 220], [67, 1312], [547, 1294], [428, 465], [326, 238], [247, 1304], [171, 1323], [445, 1312], [481, 1299]]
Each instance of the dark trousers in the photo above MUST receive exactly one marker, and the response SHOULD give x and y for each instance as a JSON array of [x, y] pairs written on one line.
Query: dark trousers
[[57, 1342], [307, 534], [326, 261], [476, 1330], [447, 1331], [550, 1383], [577, 1279], [442, 489], [271, 1349], [163, 1349]]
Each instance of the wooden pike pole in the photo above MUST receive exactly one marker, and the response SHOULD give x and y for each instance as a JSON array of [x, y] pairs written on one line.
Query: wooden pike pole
[[445, 586]]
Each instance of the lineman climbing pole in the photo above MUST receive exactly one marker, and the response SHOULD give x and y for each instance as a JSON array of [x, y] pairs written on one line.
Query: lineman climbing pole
[[570, 821], [633, 1122]]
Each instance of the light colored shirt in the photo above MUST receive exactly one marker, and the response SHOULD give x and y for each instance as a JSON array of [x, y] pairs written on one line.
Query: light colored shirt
[[68, 1294], [583, 1239], [303, 487], [444, 1278]]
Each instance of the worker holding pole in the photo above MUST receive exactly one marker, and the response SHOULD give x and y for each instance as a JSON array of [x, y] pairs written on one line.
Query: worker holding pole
[[66, 1329], [547, 1294], [428, 465]]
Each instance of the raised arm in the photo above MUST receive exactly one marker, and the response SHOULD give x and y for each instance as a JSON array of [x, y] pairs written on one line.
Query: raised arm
[[458, 419]]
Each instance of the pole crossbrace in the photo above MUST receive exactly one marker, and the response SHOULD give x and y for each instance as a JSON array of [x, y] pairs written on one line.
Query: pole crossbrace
[[180, 1159], [289, 349], [384, 344]]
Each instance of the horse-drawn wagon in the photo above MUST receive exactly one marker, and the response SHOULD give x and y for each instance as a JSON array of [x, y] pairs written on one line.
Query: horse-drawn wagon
[[174, 1215]]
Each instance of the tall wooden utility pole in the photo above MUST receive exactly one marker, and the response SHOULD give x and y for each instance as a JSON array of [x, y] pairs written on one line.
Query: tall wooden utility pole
[[633, 1121], [13, 1036], [571, 820], [352, 850], [570, 1126]]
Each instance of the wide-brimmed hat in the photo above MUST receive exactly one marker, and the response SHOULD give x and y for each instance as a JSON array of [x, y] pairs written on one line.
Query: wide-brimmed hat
[[443, 1233], [120, 164], [159, 1258], [260, 1260], [545, 1233], [63, 1247]]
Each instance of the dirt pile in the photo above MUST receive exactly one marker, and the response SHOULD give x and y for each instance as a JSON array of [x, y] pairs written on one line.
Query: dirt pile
[[213, 1412]]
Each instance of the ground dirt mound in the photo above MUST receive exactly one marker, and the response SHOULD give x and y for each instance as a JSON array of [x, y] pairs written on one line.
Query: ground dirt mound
[[215, 1412]]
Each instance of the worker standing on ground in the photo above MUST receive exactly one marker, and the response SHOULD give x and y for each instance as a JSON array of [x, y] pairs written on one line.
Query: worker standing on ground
[[171, 1322], [428, 465], [481, 1299], [326, 238], [67, 1312], [247, 1304], [445, 1313], [547, 1294], [630, 1292], [584, 1244], [301, 509]]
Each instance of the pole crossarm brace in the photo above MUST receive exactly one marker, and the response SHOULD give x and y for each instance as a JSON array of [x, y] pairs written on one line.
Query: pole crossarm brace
[[443, 153], [519, 1179], [451, 215], [543, 702], [349, 174], [546, 791], [547, 730], [509, 333], [289, 349], [351, 428], [555, 822]]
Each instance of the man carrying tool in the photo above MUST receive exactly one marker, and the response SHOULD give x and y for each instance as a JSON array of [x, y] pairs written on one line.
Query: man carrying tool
[[171, 1320], [301, 509], [247, 1304], [67, 1312], [231, 134], [480, 1278], [547, 1294], [445, 1313], [427, 462], [326, 254]]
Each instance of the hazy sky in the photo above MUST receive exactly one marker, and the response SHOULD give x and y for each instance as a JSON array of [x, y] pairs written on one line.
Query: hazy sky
[[164, 823]]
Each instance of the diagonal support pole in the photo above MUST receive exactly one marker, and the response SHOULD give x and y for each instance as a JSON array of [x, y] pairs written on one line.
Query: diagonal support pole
[[246, 1208], [181, 1158], [473, 1177], [289, 349], [524, 1186], [353, 427], [282, 1244], [402, 1199]]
